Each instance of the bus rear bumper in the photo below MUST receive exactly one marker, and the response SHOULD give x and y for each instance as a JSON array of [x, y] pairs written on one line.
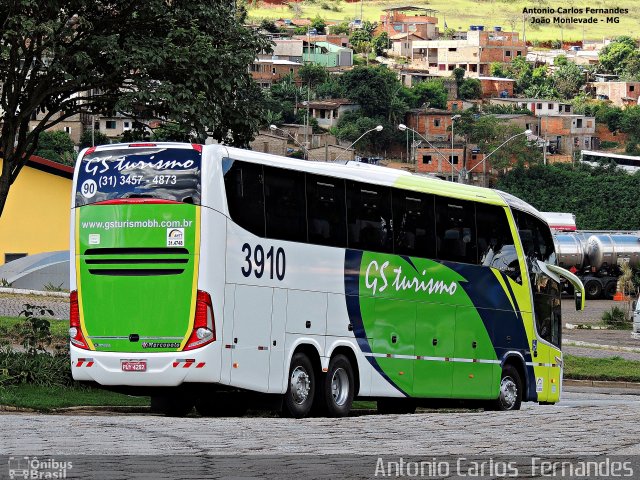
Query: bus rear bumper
[[166, 369]]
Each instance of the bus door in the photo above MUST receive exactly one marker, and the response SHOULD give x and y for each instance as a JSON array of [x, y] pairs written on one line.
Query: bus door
[[538, 248]]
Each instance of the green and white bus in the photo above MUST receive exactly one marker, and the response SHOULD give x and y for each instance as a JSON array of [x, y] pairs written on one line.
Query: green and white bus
[[207, 275]]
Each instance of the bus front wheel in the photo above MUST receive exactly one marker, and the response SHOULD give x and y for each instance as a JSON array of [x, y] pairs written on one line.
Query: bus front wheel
[[510, 397], [339, 387], [300, 388]]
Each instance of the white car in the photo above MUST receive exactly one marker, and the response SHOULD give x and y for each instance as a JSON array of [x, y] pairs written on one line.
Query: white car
[[636, 316]]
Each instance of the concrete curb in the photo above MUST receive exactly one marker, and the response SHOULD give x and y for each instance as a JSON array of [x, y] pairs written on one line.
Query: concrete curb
[[579, 343], [20, 291], [569, 382]]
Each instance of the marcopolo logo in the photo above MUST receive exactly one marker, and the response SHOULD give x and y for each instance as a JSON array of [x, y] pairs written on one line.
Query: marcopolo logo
[[32, 467], [175, 237]]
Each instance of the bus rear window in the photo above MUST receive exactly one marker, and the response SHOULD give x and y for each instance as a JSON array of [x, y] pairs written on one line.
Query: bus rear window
[[159, 173]]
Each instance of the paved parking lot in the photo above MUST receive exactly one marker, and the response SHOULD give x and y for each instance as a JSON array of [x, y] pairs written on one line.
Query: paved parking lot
[[581, 424]]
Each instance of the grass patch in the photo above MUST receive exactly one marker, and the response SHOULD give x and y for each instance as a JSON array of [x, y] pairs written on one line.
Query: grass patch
[[46, 399], [612, 368], [59, 328]]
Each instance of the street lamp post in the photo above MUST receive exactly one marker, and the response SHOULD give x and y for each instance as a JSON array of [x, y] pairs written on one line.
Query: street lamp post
[[377, 129], [402, 127], [526, 132], [273, 128], [453, 119]]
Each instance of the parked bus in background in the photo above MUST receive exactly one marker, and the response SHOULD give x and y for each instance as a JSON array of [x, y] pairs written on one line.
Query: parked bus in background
[[214, 276]]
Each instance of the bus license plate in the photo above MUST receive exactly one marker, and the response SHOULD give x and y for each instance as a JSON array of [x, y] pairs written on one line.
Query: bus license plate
[[134, 365]]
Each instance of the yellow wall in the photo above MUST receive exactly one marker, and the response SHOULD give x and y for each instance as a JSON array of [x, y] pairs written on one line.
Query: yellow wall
[[36, 216]]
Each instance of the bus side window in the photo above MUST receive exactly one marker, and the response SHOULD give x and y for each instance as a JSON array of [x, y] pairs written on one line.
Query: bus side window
[[326, 215], [456, 230], [285, 209], [245, 196], [413, 224], [369, 217], [496, 247]]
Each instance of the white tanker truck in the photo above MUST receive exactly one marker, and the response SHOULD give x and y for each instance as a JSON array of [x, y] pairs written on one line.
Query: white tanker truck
[[596, 257]]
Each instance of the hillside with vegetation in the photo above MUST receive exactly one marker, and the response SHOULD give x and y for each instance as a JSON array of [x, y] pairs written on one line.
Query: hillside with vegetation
[[459, 14]]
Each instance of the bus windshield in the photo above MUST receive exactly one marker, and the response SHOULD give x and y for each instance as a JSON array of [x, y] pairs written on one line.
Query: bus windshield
[[156, 172]]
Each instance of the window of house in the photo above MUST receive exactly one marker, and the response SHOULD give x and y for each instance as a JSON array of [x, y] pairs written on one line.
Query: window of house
[[507, 53], [426, 159], [126, 125], [567, 108], [454, 106], [474, 156], [579, 123], [291, 70], [436, 122], [96, 125], [539, 105], [442, 66], [110, 124], [518, 53], [631, 88], [550, 106], [67, 130], [453, 49], [454, 159], [273, 70]]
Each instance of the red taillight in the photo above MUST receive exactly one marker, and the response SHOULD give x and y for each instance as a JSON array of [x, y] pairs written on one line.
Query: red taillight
[[142, 145], [136, 201], [204, 328], [90, 150], [75, 332], [197, 147]]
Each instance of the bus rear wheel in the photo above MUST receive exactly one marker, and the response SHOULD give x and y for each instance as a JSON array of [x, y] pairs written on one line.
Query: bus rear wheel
[[300, 388], [338, 387], [510, 397]]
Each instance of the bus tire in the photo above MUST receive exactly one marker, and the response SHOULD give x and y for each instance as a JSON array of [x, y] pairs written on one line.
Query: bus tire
[[301, 386], [396, 406], [339, 387], [510, 397]]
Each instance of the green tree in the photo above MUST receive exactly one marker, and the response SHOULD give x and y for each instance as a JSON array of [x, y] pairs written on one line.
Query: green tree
[[380, 43], [458, 75], [613, 58], [432, 93], [567, 80], [92, 137], [319, 24], [369, 27], [373, 88], [312, 74], [602, 198], [630, 121], [497, 69], [560, 60], [187, 61], [171, 132], [268, 26], [340, 29], [470, 89], [56, 146]]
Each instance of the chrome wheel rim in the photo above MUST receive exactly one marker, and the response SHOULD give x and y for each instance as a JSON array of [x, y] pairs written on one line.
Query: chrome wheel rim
[[340, 386], [300, 385], [508, 393]]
